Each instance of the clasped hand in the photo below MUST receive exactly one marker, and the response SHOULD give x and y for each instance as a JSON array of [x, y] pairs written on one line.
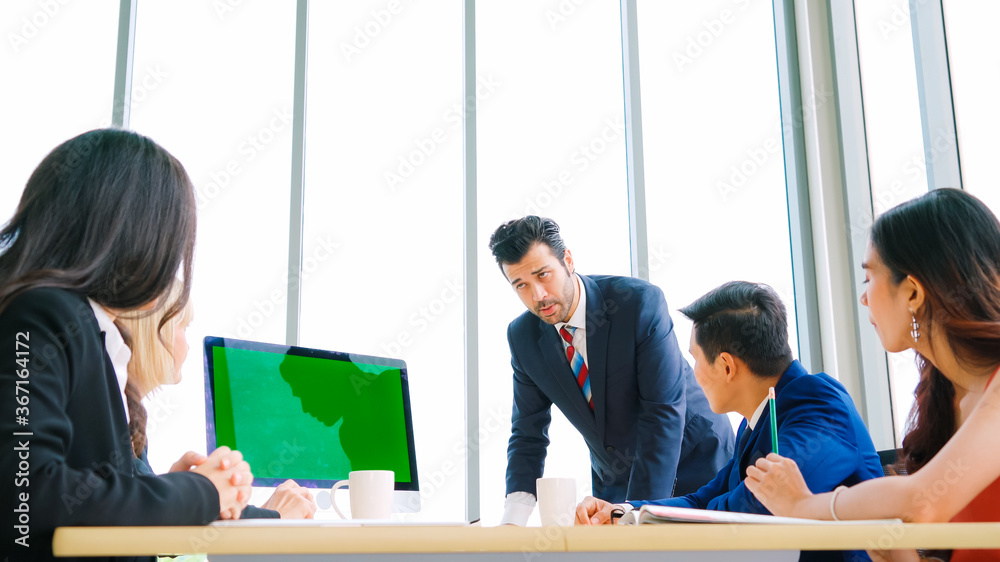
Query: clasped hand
[[228, 472]]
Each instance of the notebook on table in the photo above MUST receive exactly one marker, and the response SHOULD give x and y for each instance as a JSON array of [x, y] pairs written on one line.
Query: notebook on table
[[656, 514]]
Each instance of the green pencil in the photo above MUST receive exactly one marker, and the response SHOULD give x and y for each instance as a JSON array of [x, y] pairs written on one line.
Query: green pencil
[[774, 421]]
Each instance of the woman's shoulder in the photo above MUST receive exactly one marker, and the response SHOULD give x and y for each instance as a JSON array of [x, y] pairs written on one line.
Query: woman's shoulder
[[48, 305], [56, 324]]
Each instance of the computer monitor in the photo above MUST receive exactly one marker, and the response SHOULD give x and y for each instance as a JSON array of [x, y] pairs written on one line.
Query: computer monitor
[[311, 415]]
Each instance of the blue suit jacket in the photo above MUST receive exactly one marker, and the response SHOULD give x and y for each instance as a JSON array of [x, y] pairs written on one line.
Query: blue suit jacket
[[818, 427], [651, 423]]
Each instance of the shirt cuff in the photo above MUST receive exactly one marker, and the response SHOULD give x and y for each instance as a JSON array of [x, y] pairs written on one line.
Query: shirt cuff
[[517, 507]]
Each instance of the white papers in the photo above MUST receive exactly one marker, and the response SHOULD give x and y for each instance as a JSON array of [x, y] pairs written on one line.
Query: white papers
[[654, 514]]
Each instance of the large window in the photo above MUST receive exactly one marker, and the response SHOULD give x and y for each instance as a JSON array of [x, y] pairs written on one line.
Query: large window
[[221, 101], [382, 271], [974, 63], [551, 143], [58, 64], [382, 259], [715, 179], [896, 158]]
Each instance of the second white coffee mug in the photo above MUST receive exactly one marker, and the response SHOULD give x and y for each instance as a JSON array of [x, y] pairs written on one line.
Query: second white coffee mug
[[556, 501], [371, 494]]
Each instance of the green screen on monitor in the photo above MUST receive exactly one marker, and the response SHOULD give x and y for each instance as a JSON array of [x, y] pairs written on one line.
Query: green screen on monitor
[[307, 414]]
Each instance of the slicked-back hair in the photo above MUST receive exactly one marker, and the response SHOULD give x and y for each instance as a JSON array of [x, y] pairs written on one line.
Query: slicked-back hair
[[746, 320], [513, 239], [108, 214]]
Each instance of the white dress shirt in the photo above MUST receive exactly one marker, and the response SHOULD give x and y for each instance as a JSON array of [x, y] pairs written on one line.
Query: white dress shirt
[[115, 346], [517, 506], [752, 422], [578, 321]]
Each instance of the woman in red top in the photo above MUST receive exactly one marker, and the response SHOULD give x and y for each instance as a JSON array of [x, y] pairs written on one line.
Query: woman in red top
[[933, 285]]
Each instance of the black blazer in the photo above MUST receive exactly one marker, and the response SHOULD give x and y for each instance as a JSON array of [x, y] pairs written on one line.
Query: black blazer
[[249, 512], [78, 451]]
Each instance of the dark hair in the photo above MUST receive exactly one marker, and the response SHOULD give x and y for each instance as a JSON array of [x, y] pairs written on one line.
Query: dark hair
[[514, 238], [746, 320], [108, 214], [950, 242]]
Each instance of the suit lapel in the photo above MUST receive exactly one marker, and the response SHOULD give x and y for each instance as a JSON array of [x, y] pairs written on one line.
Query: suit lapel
[[598, 330], [743, 448], [794, 371], [551, 349]]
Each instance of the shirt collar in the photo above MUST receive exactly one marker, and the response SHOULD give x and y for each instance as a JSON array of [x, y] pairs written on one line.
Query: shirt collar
[[579, 318], [114, 344], [752, 422]]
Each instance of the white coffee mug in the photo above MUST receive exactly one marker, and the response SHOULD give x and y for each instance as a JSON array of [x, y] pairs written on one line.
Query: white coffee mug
[[371, 494], [557, 501]]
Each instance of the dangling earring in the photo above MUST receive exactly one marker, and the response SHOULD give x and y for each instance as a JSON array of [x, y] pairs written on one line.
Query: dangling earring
[[914, 327]]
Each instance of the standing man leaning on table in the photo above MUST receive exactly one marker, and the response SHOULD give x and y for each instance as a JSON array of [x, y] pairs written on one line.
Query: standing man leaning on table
[[603, 350]]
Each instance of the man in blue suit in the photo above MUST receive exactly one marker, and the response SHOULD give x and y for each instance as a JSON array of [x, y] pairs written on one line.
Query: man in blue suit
[[740, 346], [603, 350]]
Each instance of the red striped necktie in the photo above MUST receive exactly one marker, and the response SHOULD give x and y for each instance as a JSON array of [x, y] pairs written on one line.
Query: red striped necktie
[[577, 363]]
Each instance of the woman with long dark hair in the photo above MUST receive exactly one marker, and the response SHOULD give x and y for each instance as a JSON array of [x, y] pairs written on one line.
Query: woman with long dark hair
[[104, 225], [933, 285]]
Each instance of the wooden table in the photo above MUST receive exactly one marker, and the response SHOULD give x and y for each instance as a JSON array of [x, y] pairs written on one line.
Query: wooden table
[[687, 541]]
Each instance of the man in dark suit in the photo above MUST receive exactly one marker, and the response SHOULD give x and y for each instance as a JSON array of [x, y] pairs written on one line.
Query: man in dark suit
[[603, 350], [740, 346]]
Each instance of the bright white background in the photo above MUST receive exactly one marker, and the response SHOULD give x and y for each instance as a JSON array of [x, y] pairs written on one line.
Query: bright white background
[[895, 142], [383, 219], [715, 178], [551, 143], [216, 107], [974, 63], [383, 193], [896, 154], [58, 72]]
